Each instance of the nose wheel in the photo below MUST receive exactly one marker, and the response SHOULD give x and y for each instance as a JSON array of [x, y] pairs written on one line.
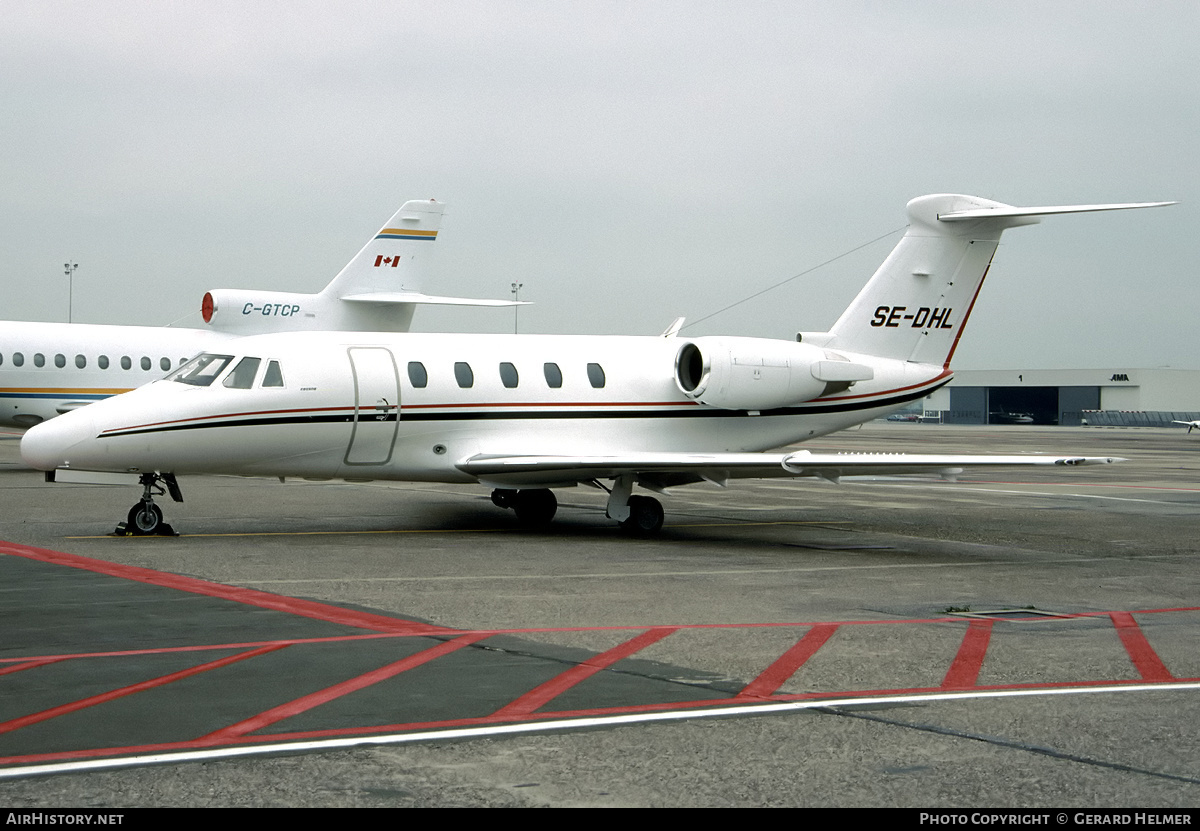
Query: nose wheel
[[145, 518]]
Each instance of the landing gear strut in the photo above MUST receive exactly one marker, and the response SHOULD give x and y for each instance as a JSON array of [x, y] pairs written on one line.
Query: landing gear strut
[[145, 518], [640, 516], [535, 507]]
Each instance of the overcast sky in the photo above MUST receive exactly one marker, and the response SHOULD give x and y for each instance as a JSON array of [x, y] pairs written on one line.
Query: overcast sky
[[628, 162]]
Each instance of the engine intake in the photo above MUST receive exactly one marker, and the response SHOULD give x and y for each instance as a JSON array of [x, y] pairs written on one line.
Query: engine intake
[[759, 374]]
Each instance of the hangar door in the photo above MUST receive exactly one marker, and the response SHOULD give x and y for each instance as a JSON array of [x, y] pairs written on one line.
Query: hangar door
[[1021, 405]]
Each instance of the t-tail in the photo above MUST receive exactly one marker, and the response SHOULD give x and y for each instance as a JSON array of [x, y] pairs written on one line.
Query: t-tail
[[915, 306], [377, 291]]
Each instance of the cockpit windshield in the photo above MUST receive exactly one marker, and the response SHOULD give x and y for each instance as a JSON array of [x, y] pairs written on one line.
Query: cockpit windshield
[[201, 370]]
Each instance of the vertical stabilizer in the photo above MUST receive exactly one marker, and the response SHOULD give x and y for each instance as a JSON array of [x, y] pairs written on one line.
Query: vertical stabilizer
[[915, 306]]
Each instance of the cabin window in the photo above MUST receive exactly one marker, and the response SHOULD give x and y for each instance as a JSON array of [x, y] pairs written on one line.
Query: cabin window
[[417, 376], [126, 362], [18, 359], [553, 375], [165, 363], [463, 374], [39, 359], [201, 370], [242, 377], [596, 375], [60, 360], [273, 376], [145, 363], [102, 362], [1, 359], [80, 362], [508, 375]]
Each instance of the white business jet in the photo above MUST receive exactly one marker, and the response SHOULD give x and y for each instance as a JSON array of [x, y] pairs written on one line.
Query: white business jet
[[51, 368], [524, 414], [1191, 425]]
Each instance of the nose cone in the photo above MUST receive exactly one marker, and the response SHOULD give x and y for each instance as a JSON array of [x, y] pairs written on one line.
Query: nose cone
[[66, 441]]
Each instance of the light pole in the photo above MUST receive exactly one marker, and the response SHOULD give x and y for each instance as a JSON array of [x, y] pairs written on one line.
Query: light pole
[[516, 293], [70, 272]]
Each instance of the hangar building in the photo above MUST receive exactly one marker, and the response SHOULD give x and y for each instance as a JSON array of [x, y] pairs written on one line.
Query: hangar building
[[1147, 397]]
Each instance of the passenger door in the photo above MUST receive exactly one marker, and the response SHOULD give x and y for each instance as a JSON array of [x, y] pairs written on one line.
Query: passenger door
[[376, 406]]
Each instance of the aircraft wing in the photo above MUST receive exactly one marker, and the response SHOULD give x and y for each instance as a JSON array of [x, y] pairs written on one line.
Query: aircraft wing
[[663, 470]]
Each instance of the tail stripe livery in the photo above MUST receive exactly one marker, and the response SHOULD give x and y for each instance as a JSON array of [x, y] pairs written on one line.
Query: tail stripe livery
[[400, 233]]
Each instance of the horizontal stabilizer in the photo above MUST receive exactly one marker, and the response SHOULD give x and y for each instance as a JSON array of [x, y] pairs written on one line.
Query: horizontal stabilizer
[[385, 298], [1013, 211]]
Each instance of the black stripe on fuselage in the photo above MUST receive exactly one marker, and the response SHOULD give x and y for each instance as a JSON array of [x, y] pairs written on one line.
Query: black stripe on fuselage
[[409, 415]]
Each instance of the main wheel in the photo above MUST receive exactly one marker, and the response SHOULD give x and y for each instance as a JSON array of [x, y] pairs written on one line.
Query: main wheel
[[535, 507], [145, 518], [503, 497], [645, 516]]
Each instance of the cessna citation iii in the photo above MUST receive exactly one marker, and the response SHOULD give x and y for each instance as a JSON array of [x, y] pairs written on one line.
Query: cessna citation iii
[[50, 368], [525, 414]]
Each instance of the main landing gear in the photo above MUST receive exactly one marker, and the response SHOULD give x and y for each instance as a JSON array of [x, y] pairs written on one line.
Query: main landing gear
[[640, 516], [535, 507], [145, 518]]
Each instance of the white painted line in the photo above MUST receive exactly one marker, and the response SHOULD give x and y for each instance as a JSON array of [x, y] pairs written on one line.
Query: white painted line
[[559, 725]]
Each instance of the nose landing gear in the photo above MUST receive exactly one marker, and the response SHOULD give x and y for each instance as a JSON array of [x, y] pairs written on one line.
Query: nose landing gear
[[145, 518]]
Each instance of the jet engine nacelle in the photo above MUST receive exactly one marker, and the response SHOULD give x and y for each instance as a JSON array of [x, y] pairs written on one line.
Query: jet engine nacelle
[[258, 312], [759, 374]]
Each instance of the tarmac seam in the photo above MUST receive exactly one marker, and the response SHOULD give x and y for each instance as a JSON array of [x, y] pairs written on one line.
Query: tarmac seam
[[1009, 743]]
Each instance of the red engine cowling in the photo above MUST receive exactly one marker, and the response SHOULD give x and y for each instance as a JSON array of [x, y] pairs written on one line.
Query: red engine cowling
[[759, 374]]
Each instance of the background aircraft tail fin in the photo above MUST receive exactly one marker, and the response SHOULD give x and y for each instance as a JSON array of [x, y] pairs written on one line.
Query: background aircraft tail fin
[[394, 259], [915, 306]]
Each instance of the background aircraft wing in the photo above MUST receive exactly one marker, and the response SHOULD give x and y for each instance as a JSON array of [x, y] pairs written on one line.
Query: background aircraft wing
[[663, 470]]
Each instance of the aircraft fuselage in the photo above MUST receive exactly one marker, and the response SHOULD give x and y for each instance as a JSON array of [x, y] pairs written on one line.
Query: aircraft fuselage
[[411, 406]]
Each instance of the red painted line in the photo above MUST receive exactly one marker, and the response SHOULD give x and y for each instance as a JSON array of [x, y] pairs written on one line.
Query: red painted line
[[91, 701], [33, 664], [534, 630], [1144, 658], [545, 716], [964, 672], [305, 703], [207, 647], [539, 696], [249, 597], [548, 715], [774, 676]]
